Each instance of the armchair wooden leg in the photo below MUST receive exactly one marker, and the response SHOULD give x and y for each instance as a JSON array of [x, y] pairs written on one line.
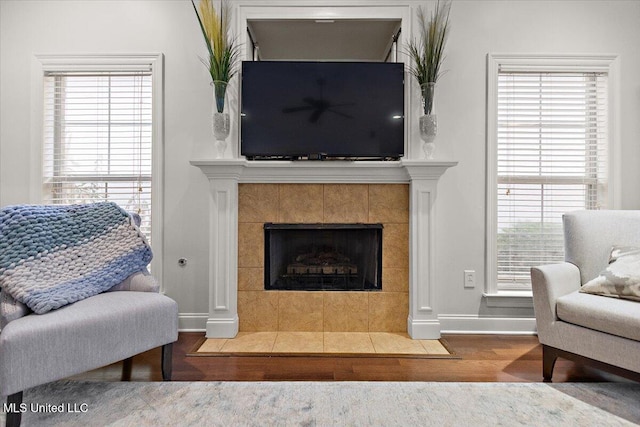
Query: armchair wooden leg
[[167, 353], [127, 364], [549, 357], [14, 415]]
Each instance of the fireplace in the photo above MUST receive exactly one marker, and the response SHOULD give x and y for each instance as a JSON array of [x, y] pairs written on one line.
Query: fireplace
[[323, 257], [244, 195]]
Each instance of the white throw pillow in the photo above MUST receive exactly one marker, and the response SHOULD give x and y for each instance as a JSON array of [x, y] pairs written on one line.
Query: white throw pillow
[[141, 281], [10, 309], [621, 279]]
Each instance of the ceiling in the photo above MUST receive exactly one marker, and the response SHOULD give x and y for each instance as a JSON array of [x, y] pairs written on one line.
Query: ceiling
[[338, 40]]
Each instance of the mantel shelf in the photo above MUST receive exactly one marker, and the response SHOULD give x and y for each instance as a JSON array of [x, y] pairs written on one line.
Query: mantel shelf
[[333, 171]]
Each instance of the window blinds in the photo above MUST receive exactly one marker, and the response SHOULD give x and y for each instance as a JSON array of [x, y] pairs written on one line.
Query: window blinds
[[551, 159], [98, 139]]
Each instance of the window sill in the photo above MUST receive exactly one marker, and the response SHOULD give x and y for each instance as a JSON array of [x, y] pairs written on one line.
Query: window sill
[[518, 299]]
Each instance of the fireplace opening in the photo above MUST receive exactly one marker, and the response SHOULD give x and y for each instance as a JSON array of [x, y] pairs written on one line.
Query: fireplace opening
[[314, 257]]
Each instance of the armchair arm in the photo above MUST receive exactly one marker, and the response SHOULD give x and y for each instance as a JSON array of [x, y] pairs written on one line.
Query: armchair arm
[[550, 282]]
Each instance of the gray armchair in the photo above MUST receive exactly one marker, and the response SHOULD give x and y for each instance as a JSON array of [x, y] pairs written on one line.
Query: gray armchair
[[591, 329], [82, 270], [88, 334]]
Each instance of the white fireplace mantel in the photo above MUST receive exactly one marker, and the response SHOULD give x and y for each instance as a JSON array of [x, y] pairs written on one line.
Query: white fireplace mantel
[[224, 176], [326, 172]]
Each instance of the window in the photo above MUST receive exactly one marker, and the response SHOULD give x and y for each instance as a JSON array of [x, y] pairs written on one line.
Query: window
[[97, 140], [550, 155], [100, 134]]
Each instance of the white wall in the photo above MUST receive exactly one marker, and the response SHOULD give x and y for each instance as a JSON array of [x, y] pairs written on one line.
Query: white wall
[[169, 27], [524, 27]]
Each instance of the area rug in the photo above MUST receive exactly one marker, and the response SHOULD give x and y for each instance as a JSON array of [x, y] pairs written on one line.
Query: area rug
[[318, 344], [69, 403]]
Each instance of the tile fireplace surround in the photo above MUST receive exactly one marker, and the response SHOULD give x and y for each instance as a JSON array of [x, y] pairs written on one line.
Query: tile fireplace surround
[[323, 311], [233, 221]]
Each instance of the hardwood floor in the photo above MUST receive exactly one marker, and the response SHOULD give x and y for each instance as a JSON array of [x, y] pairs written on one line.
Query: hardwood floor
[[484, 358]]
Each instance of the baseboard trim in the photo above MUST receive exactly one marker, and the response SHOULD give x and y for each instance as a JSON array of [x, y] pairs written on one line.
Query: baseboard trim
[[474, 324], [446, 324], [421, 329], [222, 328], [192, 322]]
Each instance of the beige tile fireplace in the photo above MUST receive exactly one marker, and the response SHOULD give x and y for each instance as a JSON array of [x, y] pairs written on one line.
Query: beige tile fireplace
[[399, 194], [323, 311]]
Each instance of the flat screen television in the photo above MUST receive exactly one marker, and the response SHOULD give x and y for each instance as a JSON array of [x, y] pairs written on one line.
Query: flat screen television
[[322, 110]]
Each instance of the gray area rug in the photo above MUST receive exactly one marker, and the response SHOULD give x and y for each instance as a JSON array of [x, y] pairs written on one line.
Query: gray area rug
[[332, 404]]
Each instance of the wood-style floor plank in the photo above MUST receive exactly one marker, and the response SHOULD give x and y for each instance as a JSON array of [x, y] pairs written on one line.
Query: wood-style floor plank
[[484, 358]]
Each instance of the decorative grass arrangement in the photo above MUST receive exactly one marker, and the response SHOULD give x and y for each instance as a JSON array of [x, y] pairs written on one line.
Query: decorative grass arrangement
[[223, 50], [427, 54]]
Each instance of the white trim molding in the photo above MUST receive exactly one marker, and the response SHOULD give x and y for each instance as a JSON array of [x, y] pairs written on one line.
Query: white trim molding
[[42, 63], [496, 62], [316, 10], [192, 322], [474, 324], [521, 299]]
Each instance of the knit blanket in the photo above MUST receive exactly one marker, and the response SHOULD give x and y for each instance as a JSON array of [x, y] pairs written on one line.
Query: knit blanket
[[53, 255]]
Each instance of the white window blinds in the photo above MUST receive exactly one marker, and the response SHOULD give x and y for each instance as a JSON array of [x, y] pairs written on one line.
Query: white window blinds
[[98, 139], [551, 159]]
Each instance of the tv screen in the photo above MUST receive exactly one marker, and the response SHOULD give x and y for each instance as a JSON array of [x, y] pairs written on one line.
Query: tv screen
[[297, 110]]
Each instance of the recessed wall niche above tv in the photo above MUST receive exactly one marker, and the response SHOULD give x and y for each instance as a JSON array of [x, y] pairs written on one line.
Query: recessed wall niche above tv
[[322, 110]]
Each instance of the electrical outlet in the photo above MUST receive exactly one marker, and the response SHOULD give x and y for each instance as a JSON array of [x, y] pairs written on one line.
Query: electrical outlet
[[469, 278]]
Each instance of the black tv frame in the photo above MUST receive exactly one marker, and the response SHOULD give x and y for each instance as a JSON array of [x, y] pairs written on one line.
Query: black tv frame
[[320, 154]]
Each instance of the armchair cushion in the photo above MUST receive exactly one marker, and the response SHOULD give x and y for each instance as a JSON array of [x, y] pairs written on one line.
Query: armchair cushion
[[621, 278], [11, 309], [88, 334], [611, 315]]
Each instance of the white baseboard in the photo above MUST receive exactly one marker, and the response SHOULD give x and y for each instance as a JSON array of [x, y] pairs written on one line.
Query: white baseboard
[[201, 322], [474, 324], [222, 327], [192, 322], [424, 329], [448, 324]]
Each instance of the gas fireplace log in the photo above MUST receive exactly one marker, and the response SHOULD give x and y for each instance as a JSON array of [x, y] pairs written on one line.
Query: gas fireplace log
[[302, 269], [322, 258]]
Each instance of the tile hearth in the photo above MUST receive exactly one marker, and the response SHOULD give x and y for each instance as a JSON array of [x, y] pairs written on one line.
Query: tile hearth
[[324, 343]]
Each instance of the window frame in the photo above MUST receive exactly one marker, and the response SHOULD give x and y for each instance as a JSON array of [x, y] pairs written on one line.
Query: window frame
[[542, 63], [43, 63]]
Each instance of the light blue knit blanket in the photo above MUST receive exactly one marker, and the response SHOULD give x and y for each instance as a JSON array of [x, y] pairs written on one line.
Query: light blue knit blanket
[[53, 255]]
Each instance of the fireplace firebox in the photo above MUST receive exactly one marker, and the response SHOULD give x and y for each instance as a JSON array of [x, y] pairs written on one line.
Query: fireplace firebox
[[314, 257]]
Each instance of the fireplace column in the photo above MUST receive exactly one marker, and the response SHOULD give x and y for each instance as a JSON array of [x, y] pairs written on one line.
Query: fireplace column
[[422, 322], [223, 247]]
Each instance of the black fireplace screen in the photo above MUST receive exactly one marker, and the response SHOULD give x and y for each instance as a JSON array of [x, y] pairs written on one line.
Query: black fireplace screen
[[311, 257]]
